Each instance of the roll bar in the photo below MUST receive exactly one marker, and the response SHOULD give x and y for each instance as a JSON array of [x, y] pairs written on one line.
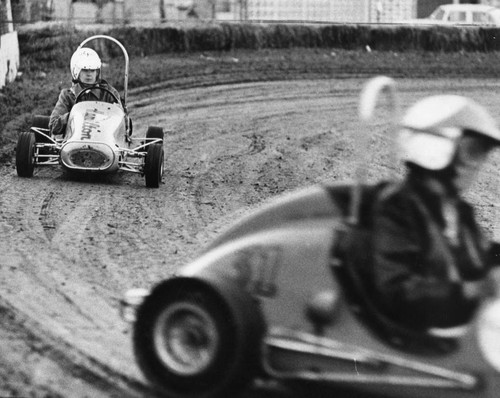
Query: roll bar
[[366, 112], [125, 54]]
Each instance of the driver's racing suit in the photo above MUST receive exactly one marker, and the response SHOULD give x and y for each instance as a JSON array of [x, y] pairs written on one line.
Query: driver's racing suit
[[60, 113], [427, 273]]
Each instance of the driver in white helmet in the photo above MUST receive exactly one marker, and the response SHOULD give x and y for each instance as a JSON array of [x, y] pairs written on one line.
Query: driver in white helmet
[[85, 68], [431, 260]]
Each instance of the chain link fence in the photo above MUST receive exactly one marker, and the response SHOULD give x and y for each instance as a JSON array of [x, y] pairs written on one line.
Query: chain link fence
[[157, 11], [164, 11]]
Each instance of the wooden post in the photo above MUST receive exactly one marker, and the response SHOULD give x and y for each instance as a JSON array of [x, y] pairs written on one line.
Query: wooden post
[[163, 15], [71, 12]]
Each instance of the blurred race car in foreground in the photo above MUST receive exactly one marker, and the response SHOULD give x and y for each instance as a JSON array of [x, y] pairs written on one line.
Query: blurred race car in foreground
[[282, 296], [98, 139]]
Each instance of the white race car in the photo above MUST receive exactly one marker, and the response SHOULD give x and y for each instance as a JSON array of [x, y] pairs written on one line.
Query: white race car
[[98, 139]]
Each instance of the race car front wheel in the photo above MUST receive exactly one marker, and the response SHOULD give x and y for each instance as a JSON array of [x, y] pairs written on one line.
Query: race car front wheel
[[153, 165], [25, 154], [191, 342]]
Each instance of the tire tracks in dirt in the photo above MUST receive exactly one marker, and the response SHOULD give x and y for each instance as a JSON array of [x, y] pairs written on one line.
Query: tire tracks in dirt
[[71, 247], [48, 224], [40, 283]]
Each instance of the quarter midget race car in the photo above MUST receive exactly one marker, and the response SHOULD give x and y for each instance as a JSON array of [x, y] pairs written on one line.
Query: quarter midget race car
[[281, 295], [98, 138]]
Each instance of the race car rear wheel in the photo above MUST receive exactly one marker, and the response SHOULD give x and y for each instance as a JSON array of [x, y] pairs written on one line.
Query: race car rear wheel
[[41, 122], [25, 154], [191, 341], [153, 165], [154, 133]]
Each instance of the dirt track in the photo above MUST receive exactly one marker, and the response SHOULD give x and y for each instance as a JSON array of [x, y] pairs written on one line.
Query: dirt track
[[70, 248]]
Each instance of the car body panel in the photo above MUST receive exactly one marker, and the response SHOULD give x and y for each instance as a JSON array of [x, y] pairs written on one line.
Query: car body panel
[[96, 131], [311, 203], [461, 14], [97, 121]]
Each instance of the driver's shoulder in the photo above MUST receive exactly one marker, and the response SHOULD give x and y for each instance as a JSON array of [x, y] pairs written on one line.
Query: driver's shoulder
[[392, 193], [66, 91], [74, 90], [67, 96], [104, 83], [396, 201]]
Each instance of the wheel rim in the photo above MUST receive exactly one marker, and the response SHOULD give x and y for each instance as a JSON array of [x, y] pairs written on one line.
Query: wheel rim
[[32, 157], [160, 177], [186, 338]]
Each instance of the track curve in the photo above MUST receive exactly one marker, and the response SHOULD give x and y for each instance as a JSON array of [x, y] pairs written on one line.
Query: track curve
[[70, 248]]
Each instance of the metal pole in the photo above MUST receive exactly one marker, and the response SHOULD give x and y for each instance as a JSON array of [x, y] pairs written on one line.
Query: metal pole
[[366, 111], [10, 23], [125, 55], [71, 12]]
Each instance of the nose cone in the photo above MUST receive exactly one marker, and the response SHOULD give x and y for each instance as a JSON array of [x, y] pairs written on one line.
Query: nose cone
[[92, 157]]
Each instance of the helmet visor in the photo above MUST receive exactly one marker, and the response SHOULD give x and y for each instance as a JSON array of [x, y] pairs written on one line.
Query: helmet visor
[[428, 150]]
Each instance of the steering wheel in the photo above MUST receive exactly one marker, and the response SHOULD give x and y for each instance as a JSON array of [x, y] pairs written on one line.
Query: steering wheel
[[99, 87]]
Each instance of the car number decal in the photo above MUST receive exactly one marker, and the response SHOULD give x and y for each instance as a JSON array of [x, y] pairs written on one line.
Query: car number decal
[[257, 268], [89, 123]]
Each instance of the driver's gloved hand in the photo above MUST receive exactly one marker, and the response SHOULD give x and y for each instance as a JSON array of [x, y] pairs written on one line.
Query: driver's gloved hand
[[59, 127]]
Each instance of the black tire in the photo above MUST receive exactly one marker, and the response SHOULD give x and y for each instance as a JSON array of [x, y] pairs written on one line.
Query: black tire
[[153, 165], [130, 130], [25, 154], [155, 133], [191, 341], [42, 122]]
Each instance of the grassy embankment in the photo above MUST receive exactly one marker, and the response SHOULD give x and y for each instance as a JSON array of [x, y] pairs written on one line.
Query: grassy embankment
[[218, 54]]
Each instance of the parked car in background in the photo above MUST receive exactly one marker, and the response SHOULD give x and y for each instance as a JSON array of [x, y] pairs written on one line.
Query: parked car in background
[[461, 14]]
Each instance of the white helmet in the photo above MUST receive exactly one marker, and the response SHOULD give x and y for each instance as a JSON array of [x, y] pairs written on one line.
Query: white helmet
[[84, 58], [433, 126]]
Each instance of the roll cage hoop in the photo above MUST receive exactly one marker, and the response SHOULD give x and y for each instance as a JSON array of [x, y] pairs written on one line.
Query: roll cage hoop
[[125, 55], [366, 111]]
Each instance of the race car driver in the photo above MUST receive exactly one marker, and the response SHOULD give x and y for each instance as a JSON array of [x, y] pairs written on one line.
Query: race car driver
[[85, 69], [431, 259]]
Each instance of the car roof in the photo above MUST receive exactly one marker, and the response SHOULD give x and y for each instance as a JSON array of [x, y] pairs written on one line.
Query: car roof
[[470, 7]]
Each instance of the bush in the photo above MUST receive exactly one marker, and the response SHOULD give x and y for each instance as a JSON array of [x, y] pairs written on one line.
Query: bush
[[54, 44]]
